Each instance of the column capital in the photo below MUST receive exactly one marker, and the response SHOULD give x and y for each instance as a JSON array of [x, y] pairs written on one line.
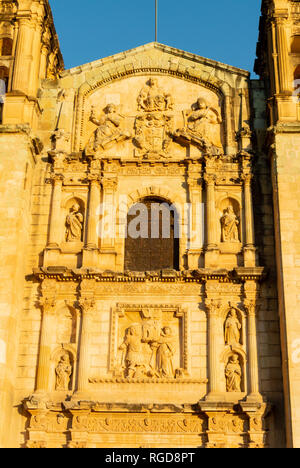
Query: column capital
[[247, 178], [87, 305], [213, 307], [57, 179], [109, 183], [251, 307], [94, 178], [210, 179], [48, 304]]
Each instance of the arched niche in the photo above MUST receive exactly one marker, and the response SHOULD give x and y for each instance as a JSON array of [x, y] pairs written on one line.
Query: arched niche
[[6, 46], [233, 327], [152, 236], [295, 45], [67, 324], [74, 210], [62, 369], [230, 220], [234, 359]]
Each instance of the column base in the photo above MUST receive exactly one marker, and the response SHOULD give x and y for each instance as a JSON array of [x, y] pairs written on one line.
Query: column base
[[194, 257], [81, 395], [253, 399], [250, 256], [90, 257], [51, 256], [211, 258]]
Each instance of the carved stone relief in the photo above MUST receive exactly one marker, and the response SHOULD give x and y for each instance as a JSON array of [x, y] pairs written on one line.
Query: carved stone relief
[[201, 128], [153, 124], [110, 129], [150, 343]]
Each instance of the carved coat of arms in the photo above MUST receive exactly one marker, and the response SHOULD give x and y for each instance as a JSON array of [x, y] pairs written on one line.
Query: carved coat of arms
[[154, 123]]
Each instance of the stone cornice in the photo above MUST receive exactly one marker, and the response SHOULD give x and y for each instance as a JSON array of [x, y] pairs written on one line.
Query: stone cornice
[[238, 275]]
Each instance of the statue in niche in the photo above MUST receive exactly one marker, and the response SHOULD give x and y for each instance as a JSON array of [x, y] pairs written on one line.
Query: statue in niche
[[74, 224], [202, 128], [232, 328], [229, 226], [63, 373], [109, 131], [153, 124], [165, 353], [132, 357], [233, 374]]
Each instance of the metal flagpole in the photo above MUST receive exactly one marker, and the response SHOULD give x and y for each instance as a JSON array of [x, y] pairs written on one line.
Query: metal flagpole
[[156, 8]]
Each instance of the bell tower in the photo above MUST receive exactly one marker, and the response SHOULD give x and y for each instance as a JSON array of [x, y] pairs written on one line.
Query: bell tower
[[29, 53], [278, 65]]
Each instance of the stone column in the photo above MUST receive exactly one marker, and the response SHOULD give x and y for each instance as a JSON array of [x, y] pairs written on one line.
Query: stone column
[[23, 58], [212, 251], [94, 202], [109, 186], [250, 259], [42, 381], [55, 218], [44, 53], [87, 305], [36, 55], [283, 59], [213, 309], [210, 210], [195, 223], [250, 306], [249, 234]]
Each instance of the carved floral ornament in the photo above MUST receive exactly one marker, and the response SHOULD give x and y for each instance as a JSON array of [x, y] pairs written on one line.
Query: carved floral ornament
[[153, 127]]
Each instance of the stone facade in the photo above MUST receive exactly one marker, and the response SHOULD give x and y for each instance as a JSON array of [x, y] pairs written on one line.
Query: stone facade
[[188, 354]]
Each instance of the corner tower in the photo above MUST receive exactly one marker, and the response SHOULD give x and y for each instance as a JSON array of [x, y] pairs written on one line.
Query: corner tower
[[29, 52], [278, 64]]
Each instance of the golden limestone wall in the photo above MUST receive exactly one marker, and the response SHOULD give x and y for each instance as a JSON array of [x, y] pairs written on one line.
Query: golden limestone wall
[[278, 65], [98, 356], [82, 305]]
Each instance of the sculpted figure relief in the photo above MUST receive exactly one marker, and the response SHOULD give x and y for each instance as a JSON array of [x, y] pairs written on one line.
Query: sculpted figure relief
[[165, 352], [132, 356], [233, 374], [110, 129], [63, 373], [148, 352], [229, 225], [153, 98], [202, 127], [232, 328], [74, 224], [153, 125]]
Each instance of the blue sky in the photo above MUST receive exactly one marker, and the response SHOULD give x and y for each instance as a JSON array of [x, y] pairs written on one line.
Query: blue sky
[[222, 30]]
